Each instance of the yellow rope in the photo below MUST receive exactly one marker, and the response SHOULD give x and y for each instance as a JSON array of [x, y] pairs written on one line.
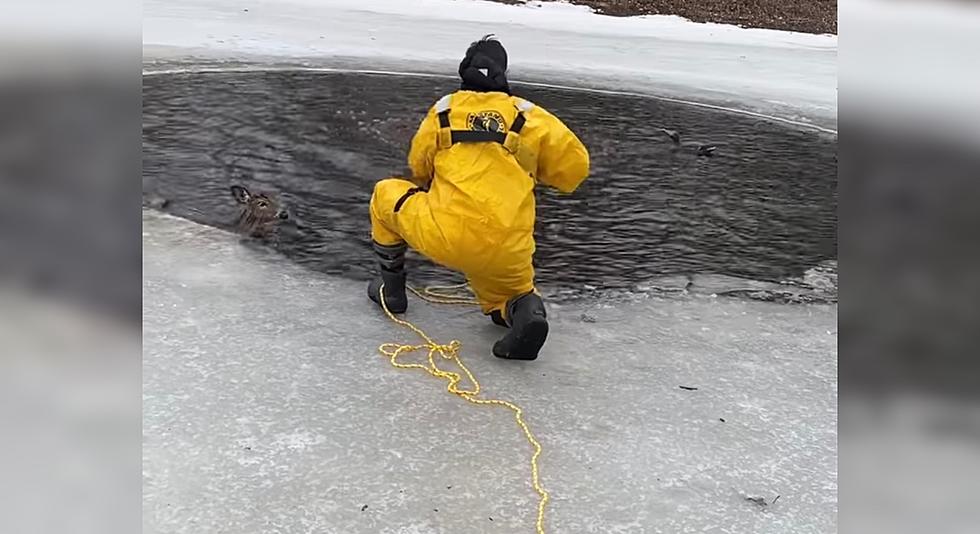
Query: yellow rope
[[450, 352], [454, 294]]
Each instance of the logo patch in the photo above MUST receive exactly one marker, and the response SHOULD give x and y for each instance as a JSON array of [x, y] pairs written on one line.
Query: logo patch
[[485, 121]]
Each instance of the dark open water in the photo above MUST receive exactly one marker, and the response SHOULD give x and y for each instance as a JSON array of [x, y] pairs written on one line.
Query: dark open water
[[764, 208]]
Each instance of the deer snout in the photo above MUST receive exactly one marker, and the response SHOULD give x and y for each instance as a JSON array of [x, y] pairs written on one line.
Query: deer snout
[[282, 214]]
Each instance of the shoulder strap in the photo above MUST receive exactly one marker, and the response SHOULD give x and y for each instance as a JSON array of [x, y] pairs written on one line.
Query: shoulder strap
[[444, 137]]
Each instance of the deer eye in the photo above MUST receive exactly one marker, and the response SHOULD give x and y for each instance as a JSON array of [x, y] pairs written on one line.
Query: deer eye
[[263, 204]]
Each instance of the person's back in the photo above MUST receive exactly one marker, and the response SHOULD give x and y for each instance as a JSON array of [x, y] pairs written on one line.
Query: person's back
[[476, 158], [494, 181]]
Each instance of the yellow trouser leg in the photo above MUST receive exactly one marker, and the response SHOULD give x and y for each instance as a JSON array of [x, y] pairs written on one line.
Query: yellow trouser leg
[[384, 221], [494, 290]]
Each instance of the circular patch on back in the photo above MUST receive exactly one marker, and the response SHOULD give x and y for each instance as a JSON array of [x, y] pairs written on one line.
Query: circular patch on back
[[485, 121]]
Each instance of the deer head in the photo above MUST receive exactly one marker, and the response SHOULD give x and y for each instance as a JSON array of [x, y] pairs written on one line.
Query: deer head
[[259, 213]]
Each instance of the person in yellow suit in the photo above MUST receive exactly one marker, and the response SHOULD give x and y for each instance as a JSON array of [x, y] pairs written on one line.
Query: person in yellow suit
[[470, 206]]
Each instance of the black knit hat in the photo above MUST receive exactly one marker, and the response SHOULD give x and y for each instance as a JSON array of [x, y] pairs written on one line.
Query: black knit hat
[[485, 66]]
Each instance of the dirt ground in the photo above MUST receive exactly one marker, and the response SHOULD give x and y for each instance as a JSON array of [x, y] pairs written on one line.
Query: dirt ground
[[809, 16]]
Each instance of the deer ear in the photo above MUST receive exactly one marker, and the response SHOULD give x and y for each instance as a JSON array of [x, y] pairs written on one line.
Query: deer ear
[[240, 193]]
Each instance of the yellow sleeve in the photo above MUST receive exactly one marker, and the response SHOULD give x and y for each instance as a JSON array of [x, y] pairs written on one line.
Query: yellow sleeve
[[423, 151], [563, 161]]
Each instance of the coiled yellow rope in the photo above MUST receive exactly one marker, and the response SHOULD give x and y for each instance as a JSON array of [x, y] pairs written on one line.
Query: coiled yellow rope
[[450, 351]]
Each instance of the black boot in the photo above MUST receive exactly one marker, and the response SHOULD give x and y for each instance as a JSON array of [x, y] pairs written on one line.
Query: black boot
[[528, 329], [392, 261], [498, 319]]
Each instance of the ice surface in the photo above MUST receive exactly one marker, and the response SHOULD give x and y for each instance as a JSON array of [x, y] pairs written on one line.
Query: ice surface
[[267, 408], [790, 75]]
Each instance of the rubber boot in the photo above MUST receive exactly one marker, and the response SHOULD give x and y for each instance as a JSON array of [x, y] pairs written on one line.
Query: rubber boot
[[498, 319], [528, 329], [392, 261]]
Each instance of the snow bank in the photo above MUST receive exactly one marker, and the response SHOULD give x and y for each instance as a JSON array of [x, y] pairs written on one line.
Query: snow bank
[[559, 16]]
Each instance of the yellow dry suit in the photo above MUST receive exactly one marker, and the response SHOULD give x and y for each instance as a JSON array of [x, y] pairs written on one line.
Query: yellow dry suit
[[470, 204]]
